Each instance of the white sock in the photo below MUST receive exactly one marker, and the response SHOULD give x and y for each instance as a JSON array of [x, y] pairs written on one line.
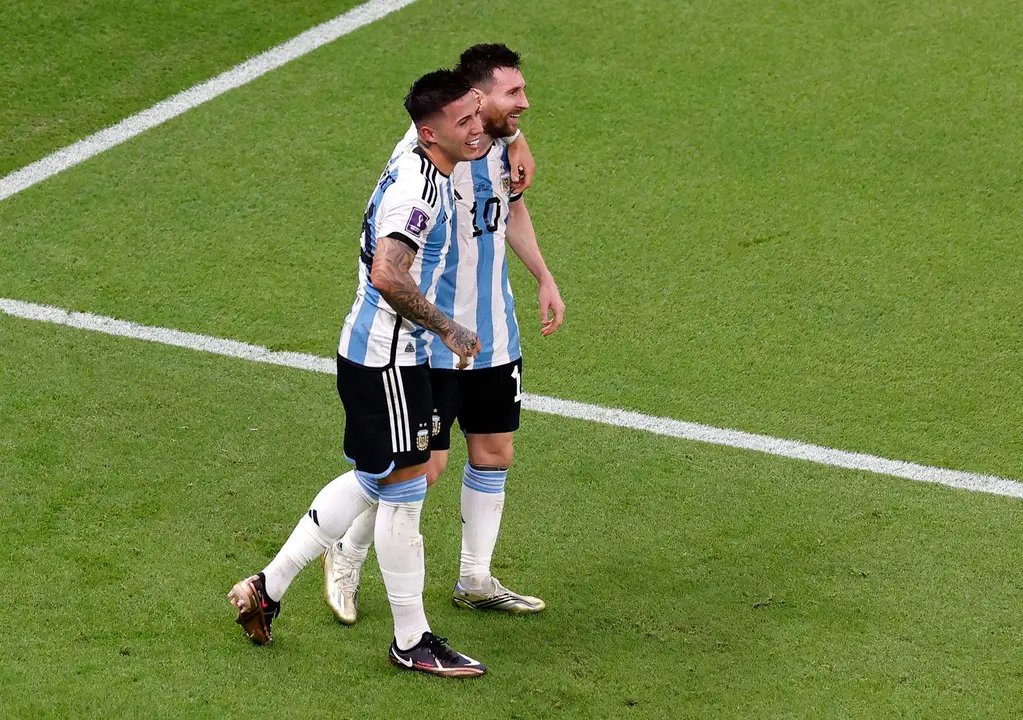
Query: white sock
[[482, 507], [355, 544], [332, 511], [400, 554]]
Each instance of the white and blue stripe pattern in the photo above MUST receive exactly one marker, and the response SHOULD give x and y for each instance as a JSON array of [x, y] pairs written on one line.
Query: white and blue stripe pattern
[[410, 190], [435, 257], [368, 299], [474, 287], [413, 490], [484, 481]]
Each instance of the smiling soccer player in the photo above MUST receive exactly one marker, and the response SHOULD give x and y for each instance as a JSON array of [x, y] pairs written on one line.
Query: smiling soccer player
[[486, 398], [384, 381]]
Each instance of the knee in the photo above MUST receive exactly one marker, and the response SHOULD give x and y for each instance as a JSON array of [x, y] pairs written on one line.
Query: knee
[[495, 457], [434, 469]]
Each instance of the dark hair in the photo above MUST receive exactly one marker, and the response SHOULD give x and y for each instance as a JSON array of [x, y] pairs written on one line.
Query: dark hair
[[478, 63], [432, 92]]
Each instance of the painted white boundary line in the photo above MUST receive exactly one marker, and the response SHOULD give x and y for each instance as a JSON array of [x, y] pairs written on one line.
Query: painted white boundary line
[[566, 408], [173, 106]]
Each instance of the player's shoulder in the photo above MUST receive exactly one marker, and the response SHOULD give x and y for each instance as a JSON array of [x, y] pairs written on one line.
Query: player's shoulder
[[415, 176]]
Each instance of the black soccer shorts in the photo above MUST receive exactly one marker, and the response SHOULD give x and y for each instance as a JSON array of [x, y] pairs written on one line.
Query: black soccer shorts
[[388, 415], [483, 401]]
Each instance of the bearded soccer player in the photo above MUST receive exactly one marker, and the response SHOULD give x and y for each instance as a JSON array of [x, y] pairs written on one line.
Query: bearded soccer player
[[384, 381], [486, 398]]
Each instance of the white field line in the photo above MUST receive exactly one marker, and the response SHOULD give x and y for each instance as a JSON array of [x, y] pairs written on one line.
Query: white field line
[[553, 406], [173, 106]]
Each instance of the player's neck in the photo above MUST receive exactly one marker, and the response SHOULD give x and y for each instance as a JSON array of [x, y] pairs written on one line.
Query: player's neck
[[443, 163], [486, 142]]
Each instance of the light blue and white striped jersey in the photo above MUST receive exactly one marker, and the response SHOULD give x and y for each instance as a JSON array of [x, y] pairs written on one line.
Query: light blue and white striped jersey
[[414, 200], [473, 287]]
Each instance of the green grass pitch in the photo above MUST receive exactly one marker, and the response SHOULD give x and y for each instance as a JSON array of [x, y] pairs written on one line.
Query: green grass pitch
[[798, 219]]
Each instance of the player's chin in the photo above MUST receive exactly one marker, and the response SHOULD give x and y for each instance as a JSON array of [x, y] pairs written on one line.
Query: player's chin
[[504, 130]]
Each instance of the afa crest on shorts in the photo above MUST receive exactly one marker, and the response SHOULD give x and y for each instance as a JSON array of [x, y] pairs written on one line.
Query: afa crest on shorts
[[422, 439]]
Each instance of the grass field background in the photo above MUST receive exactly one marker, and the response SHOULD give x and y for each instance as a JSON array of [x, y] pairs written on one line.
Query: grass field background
[[790, 219]]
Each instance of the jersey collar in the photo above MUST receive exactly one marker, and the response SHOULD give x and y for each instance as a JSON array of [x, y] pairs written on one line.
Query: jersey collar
[[422, 153]]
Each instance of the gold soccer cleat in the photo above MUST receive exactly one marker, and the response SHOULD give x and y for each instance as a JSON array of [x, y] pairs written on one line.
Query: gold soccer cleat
[[495, 596], [340, 584]]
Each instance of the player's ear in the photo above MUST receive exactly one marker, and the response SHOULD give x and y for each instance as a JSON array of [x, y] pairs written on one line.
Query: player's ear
[[427, 134]]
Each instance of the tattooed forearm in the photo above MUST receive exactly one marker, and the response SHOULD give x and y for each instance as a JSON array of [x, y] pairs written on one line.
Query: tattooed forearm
[[463, 339], [410, 304], [391, 277]]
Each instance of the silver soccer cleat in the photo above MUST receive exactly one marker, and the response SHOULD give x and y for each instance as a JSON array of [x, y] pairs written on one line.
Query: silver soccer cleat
[[340, 584], [495, 596]]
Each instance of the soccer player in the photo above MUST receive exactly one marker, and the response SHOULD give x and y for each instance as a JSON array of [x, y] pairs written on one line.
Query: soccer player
[[384, 381], [486, 399]]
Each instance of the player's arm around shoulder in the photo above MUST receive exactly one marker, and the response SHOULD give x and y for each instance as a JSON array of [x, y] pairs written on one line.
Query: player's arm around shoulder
[[523, 166], [521, 237]]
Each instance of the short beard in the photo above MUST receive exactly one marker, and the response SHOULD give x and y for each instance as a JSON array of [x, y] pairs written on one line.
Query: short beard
[[498, 131]]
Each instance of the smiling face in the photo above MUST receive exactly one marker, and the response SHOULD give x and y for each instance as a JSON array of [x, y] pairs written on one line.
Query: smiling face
[[504, 100], [456, 130]]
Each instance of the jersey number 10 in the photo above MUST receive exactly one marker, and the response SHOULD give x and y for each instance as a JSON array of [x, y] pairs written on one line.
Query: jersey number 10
[[491, 215]]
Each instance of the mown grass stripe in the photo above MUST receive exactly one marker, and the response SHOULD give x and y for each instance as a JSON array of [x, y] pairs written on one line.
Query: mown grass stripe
[[669, 427], [185, 100]]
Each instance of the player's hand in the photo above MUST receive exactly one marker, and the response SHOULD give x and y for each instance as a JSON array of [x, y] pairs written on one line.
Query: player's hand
[[464, 343], [523, 167], [552, 309]]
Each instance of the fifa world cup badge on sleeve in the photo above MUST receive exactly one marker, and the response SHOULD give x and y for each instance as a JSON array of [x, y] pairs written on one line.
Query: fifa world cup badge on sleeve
[[417, 222]]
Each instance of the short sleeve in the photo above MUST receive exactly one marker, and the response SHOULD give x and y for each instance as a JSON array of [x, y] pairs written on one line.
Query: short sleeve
[[404, 211]]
